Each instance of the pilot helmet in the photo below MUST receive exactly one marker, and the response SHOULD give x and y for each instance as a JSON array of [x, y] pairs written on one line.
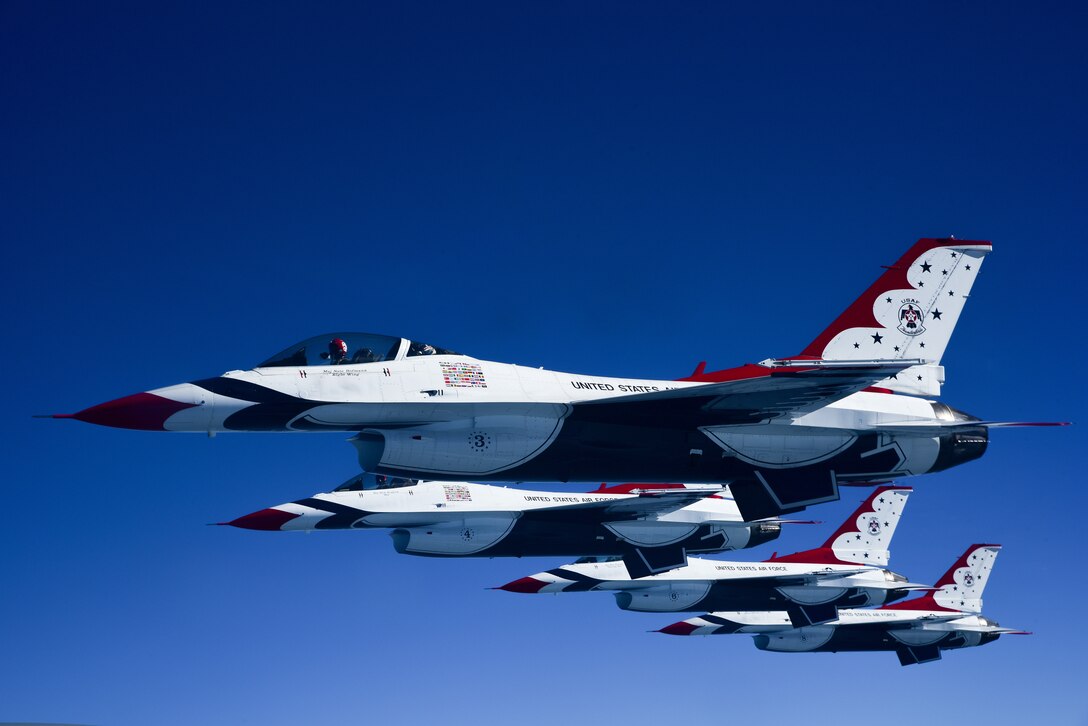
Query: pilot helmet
[[338, 349]]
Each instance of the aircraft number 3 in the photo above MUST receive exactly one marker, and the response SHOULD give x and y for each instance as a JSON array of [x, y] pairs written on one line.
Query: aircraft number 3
[[479, 441]]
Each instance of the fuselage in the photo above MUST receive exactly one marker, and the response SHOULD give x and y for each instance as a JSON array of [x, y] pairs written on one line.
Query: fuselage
[[783, 434], [705, 584], [878, 630], [457, 519], [452, 416]]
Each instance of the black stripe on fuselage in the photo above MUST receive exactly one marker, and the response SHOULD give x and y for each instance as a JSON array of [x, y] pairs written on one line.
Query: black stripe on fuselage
[[581, 583], [343, 515]]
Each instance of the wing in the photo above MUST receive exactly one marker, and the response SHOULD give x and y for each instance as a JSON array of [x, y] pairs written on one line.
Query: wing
[[936, 428], [647, 503], [758, 393], [641, 558]]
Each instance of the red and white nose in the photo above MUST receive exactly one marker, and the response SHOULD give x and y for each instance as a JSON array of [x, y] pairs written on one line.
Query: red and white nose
[[269, 520], [183, 407]]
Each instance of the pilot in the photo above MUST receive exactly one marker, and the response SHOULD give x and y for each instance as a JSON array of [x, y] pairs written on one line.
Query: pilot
[[421, 349], [338, 351], [364, 355]]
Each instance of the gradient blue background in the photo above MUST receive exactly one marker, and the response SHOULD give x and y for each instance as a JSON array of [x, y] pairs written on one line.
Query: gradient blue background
[[613, 188]]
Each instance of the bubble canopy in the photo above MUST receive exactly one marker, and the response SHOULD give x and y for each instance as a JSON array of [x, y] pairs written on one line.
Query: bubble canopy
[[350, 348]]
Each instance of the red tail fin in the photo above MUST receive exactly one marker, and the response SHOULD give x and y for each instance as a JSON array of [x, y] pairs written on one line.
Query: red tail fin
[[865, 535], [909, 312]]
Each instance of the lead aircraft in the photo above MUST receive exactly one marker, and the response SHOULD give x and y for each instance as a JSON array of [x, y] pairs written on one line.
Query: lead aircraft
[[783, 433], [916, 630], [651, 527], [849, 570]]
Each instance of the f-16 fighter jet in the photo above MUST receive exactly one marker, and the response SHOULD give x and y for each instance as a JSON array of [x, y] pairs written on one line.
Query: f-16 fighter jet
[[847, 571], [917, 630], [651, 526], [783, 433]]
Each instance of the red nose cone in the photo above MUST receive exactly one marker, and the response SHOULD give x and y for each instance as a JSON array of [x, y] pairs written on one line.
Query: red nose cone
[[144, 411], [269, 520], [681, 628], [525, 584]]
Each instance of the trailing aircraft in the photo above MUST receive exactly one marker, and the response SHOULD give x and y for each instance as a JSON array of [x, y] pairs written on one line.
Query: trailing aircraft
[[651, 527], [916, 630], [783, 433], [849, 570]]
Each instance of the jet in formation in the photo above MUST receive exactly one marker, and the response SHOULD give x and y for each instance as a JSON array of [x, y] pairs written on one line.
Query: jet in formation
[[849, 570], [784, 433], [651, 527], [948, 618]]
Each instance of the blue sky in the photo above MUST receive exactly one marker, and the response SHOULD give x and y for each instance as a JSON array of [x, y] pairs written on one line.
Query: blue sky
[[611, 188]]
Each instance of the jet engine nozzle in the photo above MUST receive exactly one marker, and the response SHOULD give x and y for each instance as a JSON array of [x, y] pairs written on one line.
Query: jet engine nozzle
[[762, 532], [960, 447]]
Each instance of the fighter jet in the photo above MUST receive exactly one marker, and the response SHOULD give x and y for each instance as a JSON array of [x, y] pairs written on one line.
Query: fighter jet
[[784, 433], [847, 571], [917, 630], [651, 526]]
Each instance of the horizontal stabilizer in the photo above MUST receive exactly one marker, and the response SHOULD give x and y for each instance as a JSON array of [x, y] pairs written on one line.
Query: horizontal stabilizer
[[940, 427]]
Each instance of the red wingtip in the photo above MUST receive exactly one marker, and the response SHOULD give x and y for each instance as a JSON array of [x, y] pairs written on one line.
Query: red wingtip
[[268, 520], [681, 628], [525, 584]]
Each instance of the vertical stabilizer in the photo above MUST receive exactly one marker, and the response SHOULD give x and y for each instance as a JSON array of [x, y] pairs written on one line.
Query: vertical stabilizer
[[961, 587], [909, 312], [866, 534]]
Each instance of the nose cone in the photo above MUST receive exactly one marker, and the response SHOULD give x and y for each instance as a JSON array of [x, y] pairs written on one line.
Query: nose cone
[[268, 520], [158, 410], [143, 411], [681, 628], [524, 584]]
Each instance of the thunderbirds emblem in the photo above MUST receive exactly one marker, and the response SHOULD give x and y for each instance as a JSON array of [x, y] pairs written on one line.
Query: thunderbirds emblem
[[910, 318], [968, 579], [874, 526]]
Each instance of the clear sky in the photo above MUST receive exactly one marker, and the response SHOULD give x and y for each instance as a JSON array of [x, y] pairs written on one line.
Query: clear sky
[[612, 188]]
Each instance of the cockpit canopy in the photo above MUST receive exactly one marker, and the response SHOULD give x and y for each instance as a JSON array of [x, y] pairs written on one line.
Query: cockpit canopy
[[348, 348], [366, 480]]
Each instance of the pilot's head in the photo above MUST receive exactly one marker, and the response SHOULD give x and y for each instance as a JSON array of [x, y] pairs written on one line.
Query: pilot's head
[[338, 350]]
